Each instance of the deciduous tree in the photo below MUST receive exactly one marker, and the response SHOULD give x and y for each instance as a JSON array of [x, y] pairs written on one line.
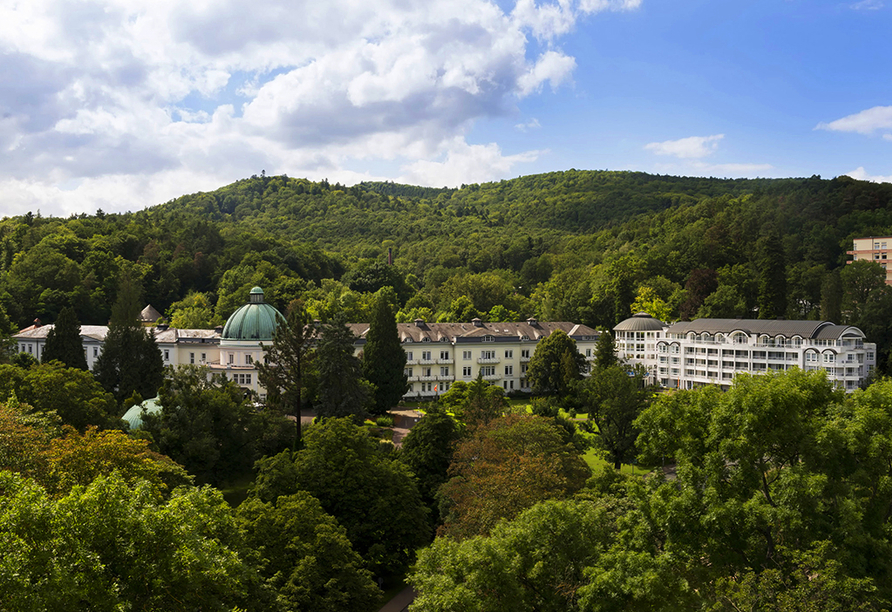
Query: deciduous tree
[[548, 371]]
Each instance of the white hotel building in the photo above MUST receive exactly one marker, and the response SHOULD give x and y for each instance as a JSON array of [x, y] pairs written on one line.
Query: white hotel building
[[438, 354], [712, 351]]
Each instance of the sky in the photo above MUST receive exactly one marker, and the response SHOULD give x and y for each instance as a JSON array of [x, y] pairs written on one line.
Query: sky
[[120, 105]]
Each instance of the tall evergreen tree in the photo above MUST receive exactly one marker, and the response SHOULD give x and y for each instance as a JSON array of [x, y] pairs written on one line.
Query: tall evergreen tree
[[772, 276], [831, 297], [342, 390], [384, 360], [130, 360], [550, 371], [605, 351], [286, 362], [63, 342]]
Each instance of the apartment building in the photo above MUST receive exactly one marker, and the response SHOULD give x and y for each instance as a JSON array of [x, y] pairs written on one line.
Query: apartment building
[[713, 351], [440, 354], [875, 249]]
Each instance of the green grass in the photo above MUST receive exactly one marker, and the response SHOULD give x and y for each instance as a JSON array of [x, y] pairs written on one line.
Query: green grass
[[596, 463]]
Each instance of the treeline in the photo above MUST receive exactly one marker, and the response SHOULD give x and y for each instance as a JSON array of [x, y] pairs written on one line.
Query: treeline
[[586, 246]]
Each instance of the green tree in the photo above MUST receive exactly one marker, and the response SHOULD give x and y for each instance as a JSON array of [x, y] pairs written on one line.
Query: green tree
[[193, 312], [109, 546], [304, 555], [52, 389], [341, 388], [614, 399], [427, 452], [475, 403], [63, 342], [208, 426], [384, 360], [537, 561], [772, 275], [287, 362], [862, 282], [130, 360], [605, 351], [359, 483], [831, 297], [548, 370], [648, 301]]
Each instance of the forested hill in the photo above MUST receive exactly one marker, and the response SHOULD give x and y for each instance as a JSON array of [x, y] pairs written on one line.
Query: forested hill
[[574, 245]]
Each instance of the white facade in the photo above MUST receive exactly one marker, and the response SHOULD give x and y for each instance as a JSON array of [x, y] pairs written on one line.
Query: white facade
[[714, 351]]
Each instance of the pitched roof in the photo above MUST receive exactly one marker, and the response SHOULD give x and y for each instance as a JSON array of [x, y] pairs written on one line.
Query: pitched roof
[[771, 327], [419, 331]]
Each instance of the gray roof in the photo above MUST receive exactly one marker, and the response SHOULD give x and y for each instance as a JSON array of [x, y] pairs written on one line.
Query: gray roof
[[641, 321], [419, 331], [771, 327], [149, 314], [90, 332]]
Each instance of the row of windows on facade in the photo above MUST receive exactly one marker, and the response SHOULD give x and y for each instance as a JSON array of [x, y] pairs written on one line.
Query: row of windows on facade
[[466, 371], [467, 355], [443, 387]]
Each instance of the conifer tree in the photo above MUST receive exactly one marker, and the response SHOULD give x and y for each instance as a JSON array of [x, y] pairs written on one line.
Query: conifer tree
[[384, 360], [287, 362], [605, 351], [130, 360], [342, 389], [63, 342]]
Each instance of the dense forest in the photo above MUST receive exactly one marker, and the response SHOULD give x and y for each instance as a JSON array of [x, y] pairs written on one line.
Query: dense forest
[[586, 246], [774, 495]]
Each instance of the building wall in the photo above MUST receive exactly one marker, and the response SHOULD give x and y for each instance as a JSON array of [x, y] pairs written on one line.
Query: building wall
[[874, 248]]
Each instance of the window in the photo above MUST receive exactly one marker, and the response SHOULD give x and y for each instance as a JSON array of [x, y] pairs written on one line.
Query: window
[[466, 371], [466, 355], [95, 352], [248, 359], [489, 339], [523, 368], [444, 354], [166, 354], [204, 357], [525, 353], [409, 356], [444, 371], [425, 371], [408, 372], [192, 358], [231, 357], [588, 352], [509, 354], [487, 355], [509, 370], [425, 355], [488, 370]]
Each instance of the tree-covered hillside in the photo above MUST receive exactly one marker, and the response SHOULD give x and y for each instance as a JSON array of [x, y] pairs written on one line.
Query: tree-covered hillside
[[588, 246]]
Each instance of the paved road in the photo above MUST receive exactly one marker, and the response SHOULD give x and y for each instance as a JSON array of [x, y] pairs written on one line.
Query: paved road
[[400, 603]]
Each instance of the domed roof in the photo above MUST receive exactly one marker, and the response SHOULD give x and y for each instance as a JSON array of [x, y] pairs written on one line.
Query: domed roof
[[256, 320], [640, 321], [134, 415]]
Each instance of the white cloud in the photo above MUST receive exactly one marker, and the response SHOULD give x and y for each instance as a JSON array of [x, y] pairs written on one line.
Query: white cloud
[[692, 147], [532, 124], [463, 163], [866, 122], [131, 99], [867, 5], [861, 174]]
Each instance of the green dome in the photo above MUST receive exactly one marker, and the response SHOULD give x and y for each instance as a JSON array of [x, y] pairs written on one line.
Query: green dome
[[256, 320], [134, 415]]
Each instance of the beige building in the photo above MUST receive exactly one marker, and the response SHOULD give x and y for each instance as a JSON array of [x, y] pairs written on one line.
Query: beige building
[[875, 249], [440, 354]]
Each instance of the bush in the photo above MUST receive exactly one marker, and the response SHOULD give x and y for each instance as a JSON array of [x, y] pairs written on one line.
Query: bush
[[384, 421]]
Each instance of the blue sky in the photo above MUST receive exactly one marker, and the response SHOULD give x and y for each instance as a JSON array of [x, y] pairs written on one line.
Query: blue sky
[[119, 105]]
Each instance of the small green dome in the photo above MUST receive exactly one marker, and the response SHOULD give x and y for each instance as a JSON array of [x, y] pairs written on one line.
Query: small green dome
[[134, 415], [256, 320]]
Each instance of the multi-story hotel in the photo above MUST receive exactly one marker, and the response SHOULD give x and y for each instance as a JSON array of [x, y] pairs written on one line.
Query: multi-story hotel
[[437, 354], [440, 354], [712, 351], [875, 249]]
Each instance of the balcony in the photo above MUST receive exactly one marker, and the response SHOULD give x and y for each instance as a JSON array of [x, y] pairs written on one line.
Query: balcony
[[524, 359], [444, 361], [488, 360], [492, 377]]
